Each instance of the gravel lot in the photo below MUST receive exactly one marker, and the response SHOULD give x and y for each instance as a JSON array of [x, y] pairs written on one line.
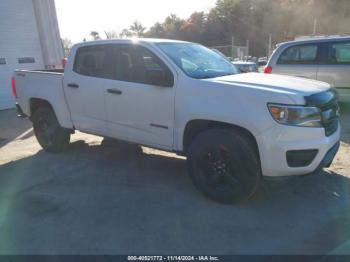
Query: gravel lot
[[121, 199]]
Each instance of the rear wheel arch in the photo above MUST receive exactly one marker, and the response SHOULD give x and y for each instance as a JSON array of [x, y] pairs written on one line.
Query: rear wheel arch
[[36, 103], [50, 135]]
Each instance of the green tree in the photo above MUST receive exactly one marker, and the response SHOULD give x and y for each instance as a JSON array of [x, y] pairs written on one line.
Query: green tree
[[172, 26], [194, 27], [125, 33], [112, 34], [255, 20], [157, 31], [95, 35], [137, 29], [67, 43]]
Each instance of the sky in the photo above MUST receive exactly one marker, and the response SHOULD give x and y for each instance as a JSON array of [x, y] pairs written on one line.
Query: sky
[[77, 18]]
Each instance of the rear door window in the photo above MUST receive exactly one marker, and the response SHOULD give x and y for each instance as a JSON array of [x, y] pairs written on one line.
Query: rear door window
[[94, 61], [300, 54]]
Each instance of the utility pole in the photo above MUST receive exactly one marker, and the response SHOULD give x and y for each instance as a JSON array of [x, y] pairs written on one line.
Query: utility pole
[[233, 47], [315, 27], [247, 44], [269, 45]]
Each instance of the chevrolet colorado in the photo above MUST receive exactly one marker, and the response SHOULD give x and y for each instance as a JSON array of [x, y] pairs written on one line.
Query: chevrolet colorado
[[184, 98]]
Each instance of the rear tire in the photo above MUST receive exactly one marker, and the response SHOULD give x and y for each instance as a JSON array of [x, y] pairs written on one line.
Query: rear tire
[[224, 165], [51, 136]]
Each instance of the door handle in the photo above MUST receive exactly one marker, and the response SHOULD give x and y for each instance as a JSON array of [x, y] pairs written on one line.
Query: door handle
[[114, 91], [73, 85]]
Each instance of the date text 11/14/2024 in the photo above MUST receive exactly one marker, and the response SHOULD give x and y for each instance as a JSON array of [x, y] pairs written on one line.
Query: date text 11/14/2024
[[173, 258]]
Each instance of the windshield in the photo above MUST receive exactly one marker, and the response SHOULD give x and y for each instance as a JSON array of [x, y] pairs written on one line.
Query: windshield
[[198, 61]]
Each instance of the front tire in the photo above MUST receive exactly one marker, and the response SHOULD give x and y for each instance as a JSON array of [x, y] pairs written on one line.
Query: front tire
[[51, 136], [224, 165]]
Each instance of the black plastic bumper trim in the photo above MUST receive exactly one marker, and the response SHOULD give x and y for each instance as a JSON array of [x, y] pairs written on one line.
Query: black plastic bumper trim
[[329, 157], [300, 158]]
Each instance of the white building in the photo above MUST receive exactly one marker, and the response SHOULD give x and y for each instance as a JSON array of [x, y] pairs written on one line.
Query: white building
[[29, 39]]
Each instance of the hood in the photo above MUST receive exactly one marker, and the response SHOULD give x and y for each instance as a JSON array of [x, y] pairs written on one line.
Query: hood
[[276, 83]]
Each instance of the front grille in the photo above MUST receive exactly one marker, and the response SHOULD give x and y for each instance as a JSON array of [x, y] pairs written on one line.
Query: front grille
[[328, 104]]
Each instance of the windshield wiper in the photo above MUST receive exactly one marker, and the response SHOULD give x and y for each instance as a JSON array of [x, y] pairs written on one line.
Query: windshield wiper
[[214, 76], [228, 74], [207, 77]]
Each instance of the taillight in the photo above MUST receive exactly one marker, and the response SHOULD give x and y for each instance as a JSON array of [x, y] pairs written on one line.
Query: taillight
[[64, 62], [268, 70], [13, 87]]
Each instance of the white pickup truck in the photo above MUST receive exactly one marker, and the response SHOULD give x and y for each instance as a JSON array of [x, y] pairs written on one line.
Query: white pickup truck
[[184, 98]]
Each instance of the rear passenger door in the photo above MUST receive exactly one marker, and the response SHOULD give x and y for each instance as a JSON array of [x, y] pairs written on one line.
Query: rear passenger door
[[85, 87], [298, 60], [137, 110], [334, 65]]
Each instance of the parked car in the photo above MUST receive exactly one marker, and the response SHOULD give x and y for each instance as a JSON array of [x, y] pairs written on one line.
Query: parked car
[[324, 59], [222, 54], [246, 67], [184, 98], [262, 61]]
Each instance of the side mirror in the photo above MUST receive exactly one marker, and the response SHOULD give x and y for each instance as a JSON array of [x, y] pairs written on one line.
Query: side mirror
[[156, 76]]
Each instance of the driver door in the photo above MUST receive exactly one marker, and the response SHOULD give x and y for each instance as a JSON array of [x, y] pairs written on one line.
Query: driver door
[[136, 110]]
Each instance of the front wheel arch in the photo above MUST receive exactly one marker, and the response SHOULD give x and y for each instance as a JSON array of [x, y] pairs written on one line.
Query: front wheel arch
[[195, 127]]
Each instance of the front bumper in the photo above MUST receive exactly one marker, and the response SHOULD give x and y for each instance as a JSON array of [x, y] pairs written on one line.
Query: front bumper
[[276, 142], [328, 158]]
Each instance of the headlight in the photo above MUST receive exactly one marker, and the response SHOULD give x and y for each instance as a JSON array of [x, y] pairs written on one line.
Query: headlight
[[296, 115]]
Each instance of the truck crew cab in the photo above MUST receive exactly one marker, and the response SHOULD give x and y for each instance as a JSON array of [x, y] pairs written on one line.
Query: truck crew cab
[[184, 98]]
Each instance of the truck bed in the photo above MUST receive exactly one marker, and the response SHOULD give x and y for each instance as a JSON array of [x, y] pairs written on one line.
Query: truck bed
[[56, 71], [45, 85], [48, 71]]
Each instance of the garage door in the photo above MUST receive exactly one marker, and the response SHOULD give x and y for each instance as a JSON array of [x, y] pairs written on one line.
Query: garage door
[[19, 44], [6, 99]]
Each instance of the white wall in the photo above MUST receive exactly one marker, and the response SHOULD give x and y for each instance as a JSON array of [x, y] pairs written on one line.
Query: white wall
[[28, 28], [19, 38], [51, 44]]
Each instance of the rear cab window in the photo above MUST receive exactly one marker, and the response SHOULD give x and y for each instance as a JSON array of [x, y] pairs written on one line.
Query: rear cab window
[[94, 61]]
